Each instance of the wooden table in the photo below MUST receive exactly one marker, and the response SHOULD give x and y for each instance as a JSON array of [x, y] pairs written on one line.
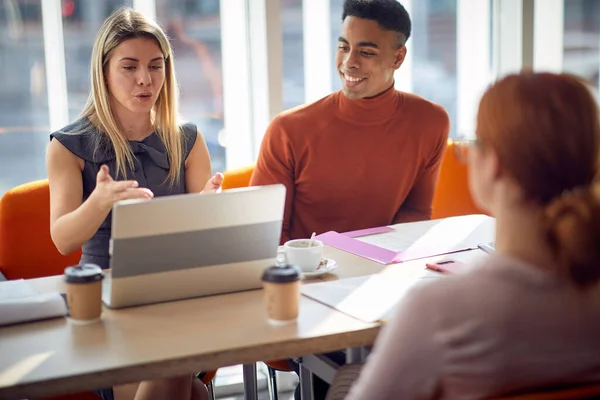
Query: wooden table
[[57, 356]]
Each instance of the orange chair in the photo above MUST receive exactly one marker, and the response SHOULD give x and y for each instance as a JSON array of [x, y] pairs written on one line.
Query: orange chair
[[238, 177], [452, 196], [208, 379], [580, 392], [27, 250]]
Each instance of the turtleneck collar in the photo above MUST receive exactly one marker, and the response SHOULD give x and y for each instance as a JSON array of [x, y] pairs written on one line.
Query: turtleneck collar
[[371, 111]]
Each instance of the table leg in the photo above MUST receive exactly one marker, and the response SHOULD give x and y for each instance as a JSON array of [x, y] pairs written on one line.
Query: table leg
[[306, 383], [250, 382], [355, 355]]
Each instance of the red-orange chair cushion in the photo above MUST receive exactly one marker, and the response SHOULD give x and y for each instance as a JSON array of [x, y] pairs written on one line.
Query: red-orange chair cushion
[[279, 365], [208, 376], [26, 248], [452, 196], [239, 177]]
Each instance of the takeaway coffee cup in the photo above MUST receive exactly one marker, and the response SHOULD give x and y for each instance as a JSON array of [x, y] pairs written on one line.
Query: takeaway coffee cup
[[282, 293], [304, 253], [84, 292]]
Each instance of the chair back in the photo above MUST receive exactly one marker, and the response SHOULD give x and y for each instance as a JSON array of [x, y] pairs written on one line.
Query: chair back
[[452, 196], [238, 177], [26, 248]]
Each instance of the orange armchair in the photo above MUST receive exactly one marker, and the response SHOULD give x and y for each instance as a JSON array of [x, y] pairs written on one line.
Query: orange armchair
[[238, 177], [452, 195], [26, 248]]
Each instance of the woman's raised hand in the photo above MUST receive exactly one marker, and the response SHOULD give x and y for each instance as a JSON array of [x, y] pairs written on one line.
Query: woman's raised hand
[[108, 191]]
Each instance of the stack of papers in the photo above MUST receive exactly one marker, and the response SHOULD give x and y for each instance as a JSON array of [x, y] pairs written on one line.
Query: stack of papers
[[19, 302]]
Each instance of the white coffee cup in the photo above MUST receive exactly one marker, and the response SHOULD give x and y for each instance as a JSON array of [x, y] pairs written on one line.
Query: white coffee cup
[[304, 253]]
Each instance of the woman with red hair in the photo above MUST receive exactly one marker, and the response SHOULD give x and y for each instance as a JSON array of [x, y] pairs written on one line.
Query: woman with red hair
[[529, 316]]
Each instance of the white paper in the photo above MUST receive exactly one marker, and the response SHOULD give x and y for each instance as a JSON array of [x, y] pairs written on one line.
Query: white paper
[[373, 298], [15, 289], [369, 298], [19, 302], [440, 236]]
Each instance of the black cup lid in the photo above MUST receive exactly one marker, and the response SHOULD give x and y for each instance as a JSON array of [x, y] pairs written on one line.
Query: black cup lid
[[281, 274], [83, 273]]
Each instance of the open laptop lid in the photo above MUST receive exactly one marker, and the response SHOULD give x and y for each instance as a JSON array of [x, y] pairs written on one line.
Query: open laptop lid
[[194, 230]]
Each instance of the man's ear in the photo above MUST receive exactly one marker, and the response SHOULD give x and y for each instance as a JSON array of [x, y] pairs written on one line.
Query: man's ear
[[400, 56]]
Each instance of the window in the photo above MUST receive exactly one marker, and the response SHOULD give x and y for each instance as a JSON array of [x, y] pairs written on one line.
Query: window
[[434, 54], [81, 21], [581, 54], [24, 119], [194, 28], [293, 53]]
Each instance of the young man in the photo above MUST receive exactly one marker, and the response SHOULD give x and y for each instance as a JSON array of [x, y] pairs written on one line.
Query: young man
[[367, 155]]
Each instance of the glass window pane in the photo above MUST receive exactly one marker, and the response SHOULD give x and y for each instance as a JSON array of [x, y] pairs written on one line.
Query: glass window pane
[[434, 51], [81, 21], [582, 39], [194, 28], [293, 53], [24, 120]]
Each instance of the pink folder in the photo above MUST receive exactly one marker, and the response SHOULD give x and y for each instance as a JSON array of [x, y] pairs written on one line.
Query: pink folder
[[369, 231], [442, 236], [362, 249]]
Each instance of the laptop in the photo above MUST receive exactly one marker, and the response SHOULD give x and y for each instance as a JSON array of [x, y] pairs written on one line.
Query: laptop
[[191, 245]]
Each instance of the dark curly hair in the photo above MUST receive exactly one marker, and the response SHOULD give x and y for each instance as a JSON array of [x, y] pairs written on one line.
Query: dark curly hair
[[389, 14]]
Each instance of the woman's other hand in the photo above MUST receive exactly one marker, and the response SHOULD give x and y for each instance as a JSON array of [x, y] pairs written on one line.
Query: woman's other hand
[[214, 184], [108, 191]]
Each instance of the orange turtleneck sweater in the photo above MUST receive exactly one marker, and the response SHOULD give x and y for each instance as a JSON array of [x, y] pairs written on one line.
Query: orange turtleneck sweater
[[354, 164]]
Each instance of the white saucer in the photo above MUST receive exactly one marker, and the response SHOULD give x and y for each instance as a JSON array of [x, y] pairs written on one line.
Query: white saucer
[[330, 266]]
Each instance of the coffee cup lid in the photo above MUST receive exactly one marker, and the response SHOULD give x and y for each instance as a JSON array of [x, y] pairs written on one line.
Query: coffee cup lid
[[83, 273], [281, 274]]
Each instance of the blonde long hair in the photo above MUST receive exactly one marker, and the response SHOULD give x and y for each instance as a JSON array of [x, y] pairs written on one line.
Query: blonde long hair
[[126, 23]]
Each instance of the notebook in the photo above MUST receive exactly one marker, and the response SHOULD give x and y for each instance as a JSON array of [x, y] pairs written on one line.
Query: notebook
[[19, 302]]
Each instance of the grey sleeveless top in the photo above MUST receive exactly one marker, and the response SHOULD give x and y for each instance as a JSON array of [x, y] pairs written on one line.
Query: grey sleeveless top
[[151, 167]]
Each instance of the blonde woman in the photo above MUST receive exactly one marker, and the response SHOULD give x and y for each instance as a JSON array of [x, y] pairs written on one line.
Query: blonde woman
[[127, 144]]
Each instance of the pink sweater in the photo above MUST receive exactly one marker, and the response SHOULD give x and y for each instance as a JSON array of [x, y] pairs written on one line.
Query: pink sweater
[[503, 327]]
